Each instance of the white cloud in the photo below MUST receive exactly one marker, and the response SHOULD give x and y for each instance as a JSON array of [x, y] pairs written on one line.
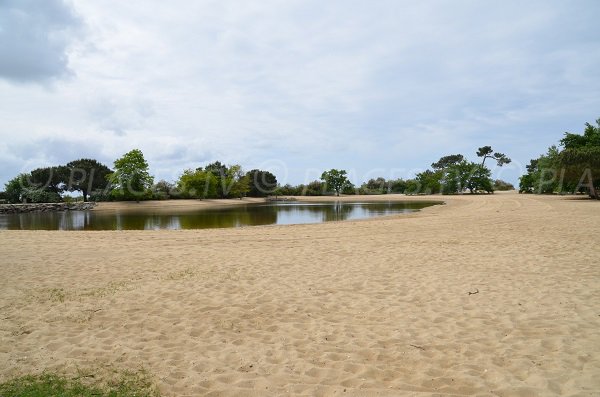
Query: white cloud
[[337, 84]]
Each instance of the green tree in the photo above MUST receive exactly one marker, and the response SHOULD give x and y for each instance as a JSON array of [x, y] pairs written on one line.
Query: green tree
[[314, 188], [42, 185], [480, 179], [236, 184], [488, 153], [336, 180], [482, 175], [131, 179], [349, 189], [230, 181], [526, 184], [581, 167], [197, 184], [456, 177], [449, 172], [375, 186], [428, 182], [261, 183], [48, 179], [380, 185], [466, 175], [86, 176], [447, 161], [453, 174], [216, 168], [413, 186], [220, 172], [397, 185], [163, 190], [543, 175], [590, 137], [289, 190], [14, 188], [580, 159]]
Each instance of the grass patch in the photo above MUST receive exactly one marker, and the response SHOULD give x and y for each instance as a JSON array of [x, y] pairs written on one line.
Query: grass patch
[[110, 289], [181, 275], [61, 295], [47, 384], [57, 294]]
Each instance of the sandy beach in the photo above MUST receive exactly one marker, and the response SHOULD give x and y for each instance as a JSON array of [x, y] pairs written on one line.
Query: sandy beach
[[493, 295]]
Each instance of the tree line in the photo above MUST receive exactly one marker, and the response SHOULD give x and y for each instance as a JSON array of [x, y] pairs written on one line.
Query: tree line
[[454, 174], [130, 179], [571, 167]]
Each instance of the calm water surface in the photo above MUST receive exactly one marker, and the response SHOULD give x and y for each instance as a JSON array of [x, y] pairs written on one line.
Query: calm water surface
[[276, 213]]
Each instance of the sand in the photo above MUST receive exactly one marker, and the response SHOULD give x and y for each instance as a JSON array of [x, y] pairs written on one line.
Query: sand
[[373, 307], [173, 205]]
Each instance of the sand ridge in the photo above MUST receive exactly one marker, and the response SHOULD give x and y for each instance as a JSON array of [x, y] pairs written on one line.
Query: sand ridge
[[372, 307]]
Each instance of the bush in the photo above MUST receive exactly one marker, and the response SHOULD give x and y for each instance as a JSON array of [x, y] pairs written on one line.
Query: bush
[[129, 195], [35, 195], [374, 186], [164, 190], [100, 195], [501, 185], [288, 190], [70, 200], [429, 182], [315, 188], [397, 185], [413, 186]]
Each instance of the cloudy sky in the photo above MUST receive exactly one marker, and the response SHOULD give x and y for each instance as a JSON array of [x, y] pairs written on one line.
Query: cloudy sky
[[379, 88]]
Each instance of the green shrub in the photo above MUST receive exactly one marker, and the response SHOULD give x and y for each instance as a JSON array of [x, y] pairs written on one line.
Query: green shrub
[[36, 195], [501, 185], [315, 188]]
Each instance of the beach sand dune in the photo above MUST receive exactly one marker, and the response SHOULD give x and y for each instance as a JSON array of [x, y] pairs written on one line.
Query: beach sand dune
[[486, 295]]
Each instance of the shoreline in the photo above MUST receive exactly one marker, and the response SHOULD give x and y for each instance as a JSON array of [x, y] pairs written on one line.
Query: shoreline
[[213, 203]]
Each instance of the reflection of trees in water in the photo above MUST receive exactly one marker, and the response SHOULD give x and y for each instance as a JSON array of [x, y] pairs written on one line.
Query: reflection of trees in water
[[340, 211], [23, 221], [337, 212], [74, 220], [229, 217], [325, 211], [135, 221], [68, 220], [216, 218]]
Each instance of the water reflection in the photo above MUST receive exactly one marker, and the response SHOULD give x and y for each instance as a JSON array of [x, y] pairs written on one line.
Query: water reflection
[[281, 213]]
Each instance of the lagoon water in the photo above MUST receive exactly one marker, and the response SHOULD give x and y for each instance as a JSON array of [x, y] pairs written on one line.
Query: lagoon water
[[273, 213]]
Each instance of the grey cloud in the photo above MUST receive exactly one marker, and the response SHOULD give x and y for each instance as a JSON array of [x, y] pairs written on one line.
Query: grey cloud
[[34, 39], [119, 116]]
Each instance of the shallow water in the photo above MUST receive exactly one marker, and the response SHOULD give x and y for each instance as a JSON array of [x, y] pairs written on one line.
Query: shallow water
[[274, 213]]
